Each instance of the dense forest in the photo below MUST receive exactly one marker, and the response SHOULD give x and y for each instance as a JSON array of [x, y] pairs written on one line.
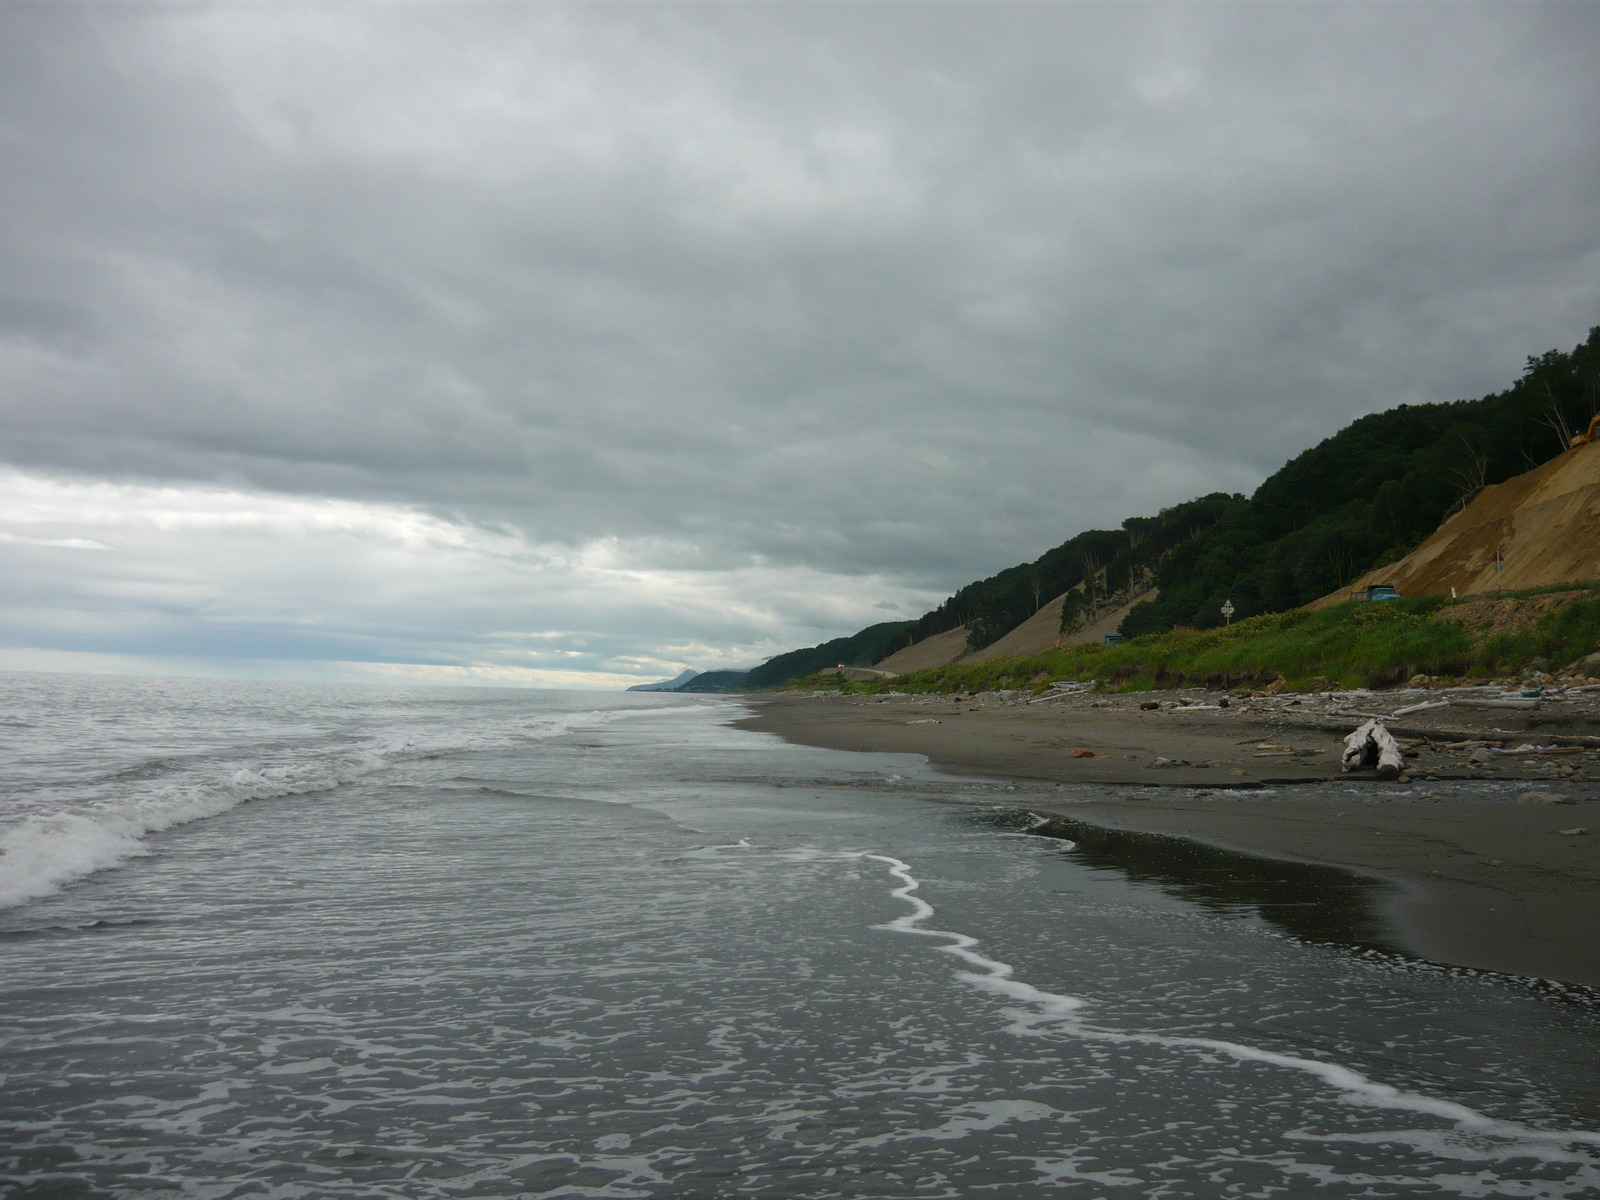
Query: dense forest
[[1361, 498], [1369, 494]]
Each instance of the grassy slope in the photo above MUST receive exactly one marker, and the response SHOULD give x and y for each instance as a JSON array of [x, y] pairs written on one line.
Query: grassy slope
[[1354, 645]]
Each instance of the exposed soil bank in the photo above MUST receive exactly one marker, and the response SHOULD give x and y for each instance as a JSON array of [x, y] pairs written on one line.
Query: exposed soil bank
[[1487, 882]]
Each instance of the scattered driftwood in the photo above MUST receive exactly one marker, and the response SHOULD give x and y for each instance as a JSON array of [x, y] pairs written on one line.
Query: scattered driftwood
[[1373, 746], [1399, 712], [1475, 702], [1423, 707], [1066, 690]]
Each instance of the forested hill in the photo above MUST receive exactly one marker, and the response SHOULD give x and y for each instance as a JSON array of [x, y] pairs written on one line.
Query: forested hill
[[1370, 493], [858, 650], [1106, 560], [1361, 498]]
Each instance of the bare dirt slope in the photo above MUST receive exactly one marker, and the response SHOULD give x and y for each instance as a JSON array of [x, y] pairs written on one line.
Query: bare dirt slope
[[1545, 524], [940, 650], [1038, 633], [1042, 632], [1034, 636]]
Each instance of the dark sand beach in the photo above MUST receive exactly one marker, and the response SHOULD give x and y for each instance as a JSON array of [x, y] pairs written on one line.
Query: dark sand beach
[[1486, 881]]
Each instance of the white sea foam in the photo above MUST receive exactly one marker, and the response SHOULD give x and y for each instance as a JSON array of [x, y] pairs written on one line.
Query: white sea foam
[[102, 826], [1051, 1012]]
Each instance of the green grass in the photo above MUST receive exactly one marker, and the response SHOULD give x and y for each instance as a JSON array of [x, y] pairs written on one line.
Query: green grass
[[1559, 637], [1353, 645]]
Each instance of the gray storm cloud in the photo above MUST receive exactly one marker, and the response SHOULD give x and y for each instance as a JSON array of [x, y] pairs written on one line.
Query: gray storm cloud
[[887, 296]]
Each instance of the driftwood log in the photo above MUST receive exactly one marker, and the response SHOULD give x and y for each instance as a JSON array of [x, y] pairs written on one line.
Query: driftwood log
[[1373, 746], [1423, 707]]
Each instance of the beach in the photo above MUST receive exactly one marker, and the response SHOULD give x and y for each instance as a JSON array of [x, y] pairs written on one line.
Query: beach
[[391, 942], [1486, 879]]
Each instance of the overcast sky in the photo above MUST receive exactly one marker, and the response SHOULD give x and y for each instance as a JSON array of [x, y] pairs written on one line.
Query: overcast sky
[[576, 344]]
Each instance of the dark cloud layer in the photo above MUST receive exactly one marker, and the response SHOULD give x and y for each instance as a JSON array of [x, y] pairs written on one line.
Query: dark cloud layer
[[909, 290]]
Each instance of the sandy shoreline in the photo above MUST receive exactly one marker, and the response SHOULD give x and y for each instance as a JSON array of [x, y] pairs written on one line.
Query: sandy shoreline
[[1484, 881]]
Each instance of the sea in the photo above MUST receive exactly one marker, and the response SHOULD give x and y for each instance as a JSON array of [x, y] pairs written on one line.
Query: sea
[[269, 939]]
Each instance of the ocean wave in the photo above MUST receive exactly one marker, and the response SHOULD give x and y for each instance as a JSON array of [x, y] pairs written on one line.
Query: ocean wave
[[107, 825]]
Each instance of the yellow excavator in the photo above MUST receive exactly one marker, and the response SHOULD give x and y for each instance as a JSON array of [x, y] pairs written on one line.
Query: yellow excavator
[[1588, 435]]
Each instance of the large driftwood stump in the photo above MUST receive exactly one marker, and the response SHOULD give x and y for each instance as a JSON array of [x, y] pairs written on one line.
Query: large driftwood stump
[[1373, 746]]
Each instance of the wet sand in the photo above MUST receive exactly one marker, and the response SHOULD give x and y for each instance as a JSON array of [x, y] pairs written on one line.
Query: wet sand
[[1484, 881]]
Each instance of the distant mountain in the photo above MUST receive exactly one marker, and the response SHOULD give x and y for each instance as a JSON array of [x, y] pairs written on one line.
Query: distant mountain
[[696, 681], [715, 681], [670, 685]]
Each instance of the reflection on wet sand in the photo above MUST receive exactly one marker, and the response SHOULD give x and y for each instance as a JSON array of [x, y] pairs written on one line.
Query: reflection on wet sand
[[1310, 902]]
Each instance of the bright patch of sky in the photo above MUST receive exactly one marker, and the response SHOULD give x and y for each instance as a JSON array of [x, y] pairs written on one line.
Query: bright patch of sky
[[141, 573]]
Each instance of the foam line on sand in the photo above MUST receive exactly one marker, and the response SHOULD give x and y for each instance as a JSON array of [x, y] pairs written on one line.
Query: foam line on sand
[[1044, 1012]]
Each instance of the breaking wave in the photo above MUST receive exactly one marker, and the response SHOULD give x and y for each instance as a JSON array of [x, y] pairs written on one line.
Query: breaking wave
[[99, 826]]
